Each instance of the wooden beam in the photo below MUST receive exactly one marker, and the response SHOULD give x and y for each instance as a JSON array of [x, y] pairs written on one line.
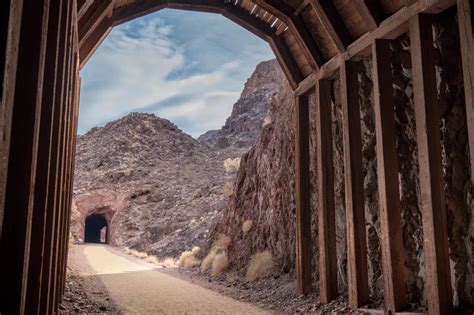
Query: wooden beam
[[371, 11], [433, 203], [354, 187], [391, 28], [13, 27], [387, 173], [298, 28], [94, 40], [326, 210], [39, 218], [82, 6], [100, 10], [467, 54], [303, 192], [15, 243], [332, 23]]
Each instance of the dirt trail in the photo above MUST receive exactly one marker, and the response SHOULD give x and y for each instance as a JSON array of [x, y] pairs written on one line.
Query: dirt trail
[[140, 288]]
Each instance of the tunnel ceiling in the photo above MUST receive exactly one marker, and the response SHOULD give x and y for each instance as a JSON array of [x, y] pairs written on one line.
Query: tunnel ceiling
[[303, 34]]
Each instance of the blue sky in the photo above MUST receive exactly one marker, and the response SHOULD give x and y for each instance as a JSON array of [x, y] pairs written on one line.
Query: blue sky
[[188, 67]]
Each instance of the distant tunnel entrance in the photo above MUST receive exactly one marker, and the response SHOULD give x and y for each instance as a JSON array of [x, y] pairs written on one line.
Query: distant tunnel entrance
[[96, 229]]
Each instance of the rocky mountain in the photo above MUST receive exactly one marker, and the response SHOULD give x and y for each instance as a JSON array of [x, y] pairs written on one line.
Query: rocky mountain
[[160, 189], [243, 127]]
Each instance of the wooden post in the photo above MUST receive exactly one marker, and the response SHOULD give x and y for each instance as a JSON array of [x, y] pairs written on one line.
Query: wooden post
[[354, 187], [43, 162], [387, 172], [433, 204], [303, 207], [22, 160], [11, 22], [326, 211], [467, 54]]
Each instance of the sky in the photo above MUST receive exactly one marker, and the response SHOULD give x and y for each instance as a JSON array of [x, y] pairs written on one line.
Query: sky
[[188, 67]]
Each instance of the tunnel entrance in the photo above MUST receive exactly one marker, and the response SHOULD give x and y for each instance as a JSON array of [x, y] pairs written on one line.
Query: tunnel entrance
[[96, 229]]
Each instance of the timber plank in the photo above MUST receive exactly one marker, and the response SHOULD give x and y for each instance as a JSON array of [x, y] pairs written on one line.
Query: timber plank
[[303, 206], [433, 203], [354, 188], [326, 210], [388, 183], [467, 55]]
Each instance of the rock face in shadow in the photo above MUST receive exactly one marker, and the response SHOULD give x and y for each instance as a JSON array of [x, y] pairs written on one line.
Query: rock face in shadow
[[159, 188], [264, 190]]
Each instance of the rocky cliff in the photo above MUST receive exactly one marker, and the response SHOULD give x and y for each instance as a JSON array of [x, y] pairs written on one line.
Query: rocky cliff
[[159, 189]]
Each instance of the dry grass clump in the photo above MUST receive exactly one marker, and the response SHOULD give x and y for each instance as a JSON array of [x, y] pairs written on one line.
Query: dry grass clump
[[261, 265], [246, 226], [232, 165], [188, 258], [207, 261], [152, 259], [169, 262], [228, 189], [140, 255], [218, 251], [219, 264]]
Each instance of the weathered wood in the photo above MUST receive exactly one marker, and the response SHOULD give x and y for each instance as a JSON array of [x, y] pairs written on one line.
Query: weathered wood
[[467, 54], [326, 210], [100, 10], [391, 28], [388, 183], [22, 160], [12, 24], [94, 40], [332, 23], [39, 216], [303, 206], [82, 6], [433, 203], [371, 12], [354, 188], [299, 29]]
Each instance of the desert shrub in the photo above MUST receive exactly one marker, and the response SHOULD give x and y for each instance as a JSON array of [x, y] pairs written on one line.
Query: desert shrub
[[188, 258], [207, 261], [140, 255], [246, 226], [219, 264], [260, 266], [221, 243], [267, 121], [152, 259], [169, 262], [232, 165]]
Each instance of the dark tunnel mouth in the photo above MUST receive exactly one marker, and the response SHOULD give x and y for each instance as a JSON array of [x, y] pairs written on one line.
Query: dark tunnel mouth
[[92, 230]]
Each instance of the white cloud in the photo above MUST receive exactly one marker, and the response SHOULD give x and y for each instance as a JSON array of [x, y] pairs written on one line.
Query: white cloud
[[135, 69]]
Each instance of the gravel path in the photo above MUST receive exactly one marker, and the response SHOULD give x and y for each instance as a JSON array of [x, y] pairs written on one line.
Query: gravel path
[[140, 288]]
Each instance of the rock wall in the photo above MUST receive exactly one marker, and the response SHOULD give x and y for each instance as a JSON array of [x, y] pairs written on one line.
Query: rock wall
[[264, 190]]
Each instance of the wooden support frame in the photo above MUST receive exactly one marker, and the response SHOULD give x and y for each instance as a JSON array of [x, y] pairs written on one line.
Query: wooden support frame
[[388, 183], [7, 95], [326, 210], [391, 28], [92, 18], [332, 23], [371, 12], [303, 191], [40, 213], [467, 55], [354, 187], [298, 28], [23, 153], [433, 203]]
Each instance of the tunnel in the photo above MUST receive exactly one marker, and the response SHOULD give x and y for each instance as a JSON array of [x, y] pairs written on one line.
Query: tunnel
[[96, 229]]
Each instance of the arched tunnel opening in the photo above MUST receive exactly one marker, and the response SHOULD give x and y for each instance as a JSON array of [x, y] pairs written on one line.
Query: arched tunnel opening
[[96, 229]]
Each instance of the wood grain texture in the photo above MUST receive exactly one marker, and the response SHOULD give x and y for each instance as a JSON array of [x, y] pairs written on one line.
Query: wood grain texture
[[387, 174], [433, 203]]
